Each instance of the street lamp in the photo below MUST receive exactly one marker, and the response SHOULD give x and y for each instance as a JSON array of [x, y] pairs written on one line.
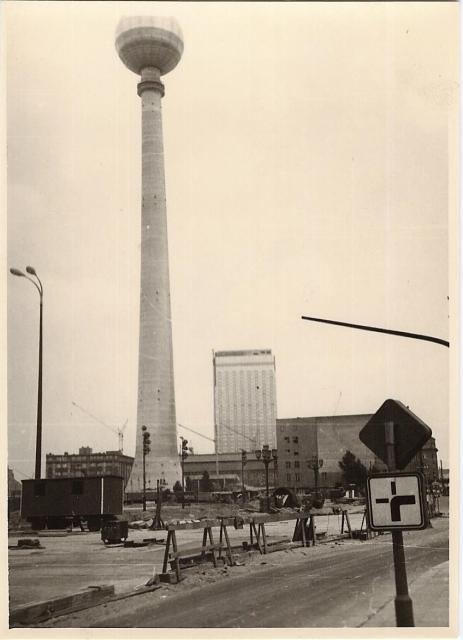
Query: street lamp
[[38, 446], [146, 450], [315, 463], [184, 455], [267, 455], [244, 460]]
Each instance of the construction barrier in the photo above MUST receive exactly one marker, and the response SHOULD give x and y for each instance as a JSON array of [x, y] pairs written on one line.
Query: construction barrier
[[304, 532]]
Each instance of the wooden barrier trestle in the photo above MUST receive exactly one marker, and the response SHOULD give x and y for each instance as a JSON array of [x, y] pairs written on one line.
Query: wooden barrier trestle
[[304, 531]]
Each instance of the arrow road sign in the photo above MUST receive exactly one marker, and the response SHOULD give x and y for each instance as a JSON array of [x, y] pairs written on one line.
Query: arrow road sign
[[396, 501]]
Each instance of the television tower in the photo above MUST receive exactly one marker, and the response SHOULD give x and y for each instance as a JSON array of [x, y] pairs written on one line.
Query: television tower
[[151, 47]]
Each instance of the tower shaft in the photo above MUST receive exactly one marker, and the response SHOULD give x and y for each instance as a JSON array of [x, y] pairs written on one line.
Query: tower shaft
[[156, 396]]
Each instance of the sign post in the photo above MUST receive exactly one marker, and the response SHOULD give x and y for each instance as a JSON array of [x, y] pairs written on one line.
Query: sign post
[[403, 603], [395, 435]]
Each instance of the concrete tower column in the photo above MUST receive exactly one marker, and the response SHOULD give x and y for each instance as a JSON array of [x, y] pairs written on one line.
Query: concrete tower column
[[148, 46]]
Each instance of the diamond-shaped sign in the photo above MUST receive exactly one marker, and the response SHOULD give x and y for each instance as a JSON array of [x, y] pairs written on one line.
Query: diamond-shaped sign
[[410, 432]]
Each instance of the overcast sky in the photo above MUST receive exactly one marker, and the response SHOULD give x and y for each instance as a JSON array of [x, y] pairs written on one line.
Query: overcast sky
[[307, 170]]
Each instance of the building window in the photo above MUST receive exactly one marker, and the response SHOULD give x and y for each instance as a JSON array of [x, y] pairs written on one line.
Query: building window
[[288, 464], [77, 488], [39, 489], [288, 477], [296, 453], [296, 464], [286, 438], [298, 477], [295, 439]]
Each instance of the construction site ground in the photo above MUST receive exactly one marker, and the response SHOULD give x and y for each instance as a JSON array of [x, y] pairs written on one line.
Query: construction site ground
[[73, 561], [67, 563]]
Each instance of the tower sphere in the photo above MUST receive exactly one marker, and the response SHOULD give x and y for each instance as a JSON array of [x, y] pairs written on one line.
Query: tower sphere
[[149, 41]]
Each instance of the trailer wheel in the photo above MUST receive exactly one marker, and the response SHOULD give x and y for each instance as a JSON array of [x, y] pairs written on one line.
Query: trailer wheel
[[94, 523]]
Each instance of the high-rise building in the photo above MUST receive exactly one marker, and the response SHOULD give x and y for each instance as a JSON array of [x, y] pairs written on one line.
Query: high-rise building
[[151, 47], [244, 400]]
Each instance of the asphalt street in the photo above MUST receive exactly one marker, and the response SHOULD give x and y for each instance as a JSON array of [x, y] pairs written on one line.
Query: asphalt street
[[67, 564], [347, 585]]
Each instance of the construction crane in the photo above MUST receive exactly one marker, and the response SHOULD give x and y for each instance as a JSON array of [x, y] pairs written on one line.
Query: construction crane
[[182, 426], [118, 430], [213, 439]]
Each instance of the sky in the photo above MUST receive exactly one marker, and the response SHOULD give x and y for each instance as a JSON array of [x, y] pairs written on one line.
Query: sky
[[308, 159]]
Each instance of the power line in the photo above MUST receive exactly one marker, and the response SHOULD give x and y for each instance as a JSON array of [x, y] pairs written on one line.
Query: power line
[[404, 334]]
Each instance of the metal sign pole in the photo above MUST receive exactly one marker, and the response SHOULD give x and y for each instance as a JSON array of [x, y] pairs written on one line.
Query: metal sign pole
[[403, 602]]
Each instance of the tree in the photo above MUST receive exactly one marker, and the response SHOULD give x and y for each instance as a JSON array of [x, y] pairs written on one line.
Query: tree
[[177, 487], [353, 471], [206, 484]]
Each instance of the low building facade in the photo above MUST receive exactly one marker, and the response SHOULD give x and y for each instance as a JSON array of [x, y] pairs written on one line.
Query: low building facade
[[225, 470], [424, 461], [325, 438], [87, 463]]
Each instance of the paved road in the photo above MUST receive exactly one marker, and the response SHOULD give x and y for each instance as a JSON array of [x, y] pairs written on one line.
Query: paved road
[[335, 586]]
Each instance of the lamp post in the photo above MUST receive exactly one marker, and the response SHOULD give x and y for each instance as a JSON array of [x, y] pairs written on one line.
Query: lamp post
[[38, 446], [267, 455], [146, 450], [184, 456], [244, 460], [315, 463]]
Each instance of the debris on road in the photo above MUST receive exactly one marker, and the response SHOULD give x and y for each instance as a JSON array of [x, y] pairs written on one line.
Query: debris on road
[[27, 543]]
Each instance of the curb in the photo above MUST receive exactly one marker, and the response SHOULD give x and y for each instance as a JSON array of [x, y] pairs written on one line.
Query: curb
[[40, 611]]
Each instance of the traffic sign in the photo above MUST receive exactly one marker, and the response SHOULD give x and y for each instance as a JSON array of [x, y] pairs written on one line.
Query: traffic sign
[[396, 501], [410, 432]]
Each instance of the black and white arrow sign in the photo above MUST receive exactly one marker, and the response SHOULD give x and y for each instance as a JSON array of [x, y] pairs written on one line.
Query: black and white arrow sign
[[395, 501]]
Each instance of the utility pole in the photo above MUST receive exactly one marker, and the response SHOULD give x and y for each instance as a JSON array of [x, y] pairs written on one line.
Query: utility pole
[[38, 443], [266, 454], [146, 450], [403, 602], [316, 464], [184, 455], [243, 464]]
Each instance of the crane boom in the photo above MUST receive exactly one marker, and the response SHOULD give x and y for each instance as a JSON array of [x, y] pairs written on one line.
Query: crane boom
[[182, 426], [118, 431], [197, 432], [212, 439]]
